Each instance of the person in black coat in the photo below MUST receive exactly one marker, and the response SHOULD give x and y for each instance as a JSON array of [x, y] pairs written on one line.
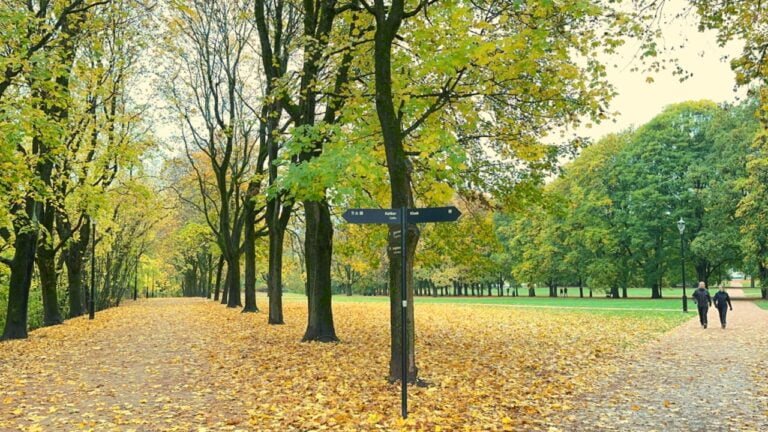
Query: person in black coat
[[722, 302], [703, 301]]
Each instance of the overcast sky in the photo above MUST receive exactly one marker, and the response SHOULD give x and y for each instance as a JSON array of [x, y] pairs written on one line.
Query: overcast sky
[[639, 101]]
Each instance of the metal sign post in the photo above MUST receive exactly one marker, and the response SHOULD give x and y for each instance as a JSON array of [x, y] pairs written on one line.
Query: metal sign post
[[403, 216], [92, 306], [403, 314]]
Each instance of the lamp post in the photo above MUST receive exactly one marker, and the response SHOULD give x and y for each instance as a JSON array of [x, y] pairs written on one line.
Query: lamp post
[[681, 228], [92, 306], [136, 281]]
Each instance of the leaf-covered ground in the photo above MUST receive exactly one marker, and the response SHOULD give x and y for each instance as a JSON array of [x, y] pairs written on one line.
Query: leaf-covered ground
[[190, 364], [692, 379]]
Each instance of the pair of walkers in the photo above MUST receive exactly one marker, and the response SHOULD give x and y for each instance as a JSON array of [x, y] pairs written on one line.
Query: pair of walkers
[[703, 300]]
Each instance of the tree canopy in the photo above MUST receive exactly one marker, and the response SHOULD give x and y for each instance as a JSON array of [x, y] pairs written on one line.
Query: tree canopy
[[208, 147]]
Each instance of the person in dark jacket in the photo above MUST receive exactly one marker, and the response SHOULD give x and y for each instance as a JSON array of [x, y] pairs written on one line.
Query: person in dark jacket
[[703, 301], [722, 302]]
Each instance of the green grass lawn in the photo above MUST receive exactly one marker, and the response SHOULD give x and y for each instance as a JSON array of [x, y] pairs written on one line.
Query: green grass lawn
[[569, 302], [667, 310], [762, 303], [752, 292], [631, 292]]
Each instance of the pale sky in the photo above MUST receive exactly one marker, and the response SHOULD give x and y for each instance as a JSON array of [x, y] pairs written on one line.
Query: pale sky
[[639, 101]]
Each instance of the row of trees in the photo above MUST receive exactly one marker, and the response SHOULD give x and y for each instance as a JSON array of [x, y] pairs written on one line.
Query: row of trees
[[288, 111], [71, 141], [611, 219], [348, 97], [608, 222]]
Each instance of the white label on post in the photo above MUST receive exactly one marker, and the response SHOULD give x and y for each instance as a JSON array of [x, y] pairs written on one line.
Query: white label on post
[[405, 303]]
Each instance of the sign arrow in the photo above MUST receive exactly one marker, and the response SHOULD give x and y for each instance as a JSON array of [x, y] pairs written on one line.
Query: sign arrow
[[372, 216], [433, 214], [393, 217]]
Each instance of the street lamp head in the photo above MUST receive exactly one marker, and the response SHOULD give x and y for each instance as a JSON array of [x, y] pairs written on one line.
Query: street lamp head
[[681, 226]]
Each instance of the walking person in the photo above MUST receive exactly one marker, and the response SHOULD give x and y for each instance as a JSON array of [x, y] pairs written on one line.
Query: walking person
[[703, 301], [722, 302]]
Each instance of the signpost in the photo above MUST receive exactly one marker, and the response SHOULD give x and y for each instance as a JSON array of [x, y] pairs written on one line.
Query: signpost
[[92, 305], [402, 216]]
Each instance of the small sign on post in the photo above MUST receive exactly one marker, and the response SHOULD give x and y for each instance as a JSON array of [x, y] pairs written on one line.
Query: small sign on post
[[372, 216], [402, 216], [434, 214]]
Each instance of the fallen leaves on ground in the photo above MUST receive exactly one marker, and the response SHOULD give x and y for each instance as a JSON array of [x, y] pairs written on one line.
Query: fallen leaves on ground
[[190, 364], [691, 379]]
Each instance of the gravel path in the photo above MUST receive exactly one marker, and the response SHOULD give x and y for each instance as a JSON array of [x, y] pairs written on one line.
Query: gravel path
[[691, 380], [110, 373]]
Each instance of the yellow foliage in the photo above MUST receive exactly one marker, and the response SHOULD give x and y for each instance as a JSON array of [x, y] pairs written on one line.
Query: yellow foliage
[[190, 364]]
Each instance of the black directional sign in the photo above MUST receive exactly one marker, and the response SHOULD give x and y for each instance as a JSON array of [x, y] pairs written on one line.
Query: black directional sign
[[372, 216], [392, 217], [434, 214]]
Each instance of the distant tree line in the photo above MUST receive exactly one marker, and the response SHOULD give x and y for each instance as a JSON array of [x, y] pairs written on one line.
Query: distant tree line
[[610, 219]]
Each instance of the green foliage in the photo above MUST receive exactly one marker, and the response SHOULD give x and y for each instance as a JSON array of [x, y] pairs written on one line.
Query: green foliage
[[615, 227], [753, 206], [747, 22]]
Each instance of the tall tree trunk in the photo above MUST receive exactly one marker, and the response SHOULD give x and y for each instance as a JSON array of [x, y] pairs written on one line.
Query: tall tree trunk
[[396, 309], [277, 216], [388, 21], [250, 248], [57, 110], [106, 293], [225, 287], [233, 282], [75, 284], [209, 277], [275, 279], [348, 284], [46, 264], [21, 266], [74, 259], [318, 237], [219, 269], [318, 244], [655, 293]]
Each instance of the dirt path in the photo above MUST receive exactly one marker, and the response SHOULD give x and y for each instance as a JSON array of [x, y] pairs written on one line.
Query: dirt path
[[93, 380], [165, 365], [691, 380]]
